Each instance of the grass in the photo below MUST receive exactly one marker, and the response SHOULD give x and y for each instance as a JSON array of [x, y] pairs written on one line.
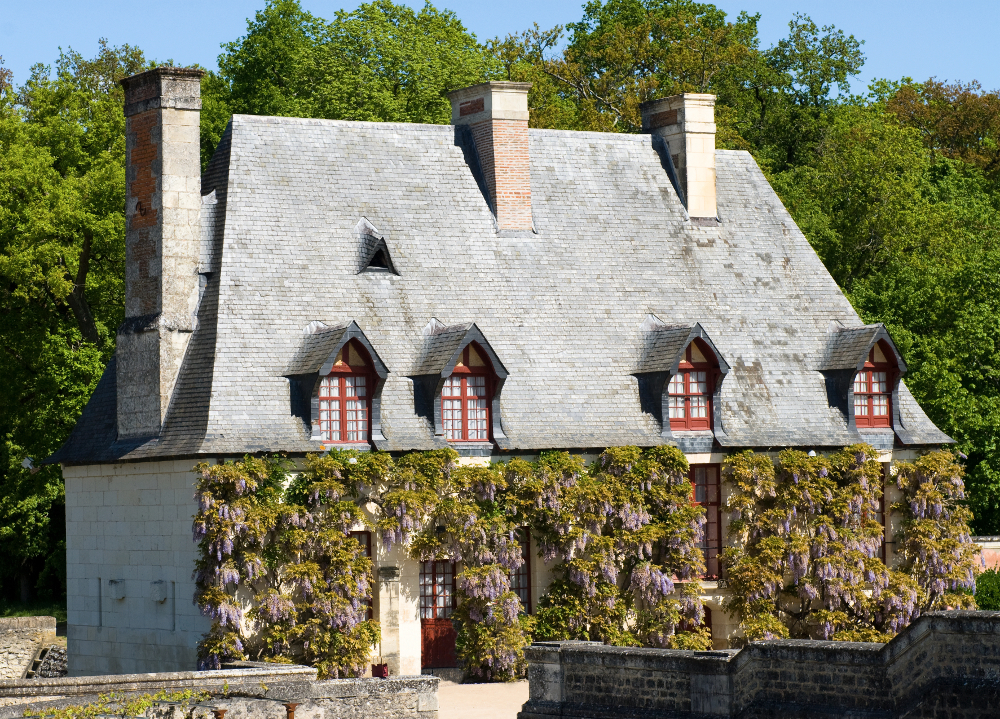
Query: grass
[[122, 705], [34, 609]]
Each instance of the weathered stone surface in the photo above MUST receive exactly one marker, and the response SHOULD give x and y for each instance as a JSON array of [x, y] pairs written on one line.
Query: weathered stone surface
[[947, 664], [20, 640], [254, 691]]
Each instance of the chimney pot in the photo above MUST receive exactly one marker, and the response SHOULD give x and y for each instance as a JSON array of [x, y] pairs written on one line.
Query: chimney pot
[[162, 241], [497, 115], [687, 123]]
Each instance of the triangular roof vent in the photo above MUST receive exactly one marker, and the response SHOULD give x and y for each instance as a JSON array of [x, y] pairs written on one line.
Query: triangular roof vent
[[374, 251]]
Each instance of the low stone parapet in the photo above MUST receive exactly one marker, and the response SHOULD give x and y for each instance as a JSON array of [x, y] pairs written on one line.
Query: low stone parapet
[[20, 640], [946, 664], [253, 691]]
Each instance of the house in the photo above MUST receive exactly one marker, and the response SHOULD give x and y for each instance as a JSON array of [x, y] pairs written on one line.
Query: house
[[485, 286]]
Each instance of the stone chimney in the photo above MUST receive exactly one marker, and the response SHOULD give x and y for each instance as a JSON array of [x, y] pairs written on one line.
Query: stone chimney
[[497, 115], [687, 123], [162, 242]]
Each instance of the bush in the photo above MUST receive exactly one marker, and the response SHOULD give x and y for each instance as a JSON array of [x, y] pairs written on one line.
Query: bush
[[988, 591]]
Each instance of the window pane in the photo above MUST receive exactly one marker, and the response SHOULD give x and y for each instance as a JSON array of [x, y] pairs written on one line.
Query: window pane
[[861, 383], [861, 405], [676, 407], [878, 382], [452, 387], [355, 386], [357, 420], [475, 386], [699, 383], [451, 417], [699, 484], [476, 418], [881, 405], [699, 406], [677, 385]]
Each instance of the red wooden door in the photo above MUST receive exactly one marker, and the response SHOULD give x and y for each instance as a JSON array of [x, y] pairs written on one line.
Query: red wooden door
[[437, 601]]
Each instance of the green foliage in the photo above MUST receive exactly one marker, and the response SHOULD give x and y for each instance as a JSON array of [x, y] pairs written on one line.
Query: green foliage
[[309, 580], [381, 62], [124, 705], [62, 255], [988, 591], [625, 533], [804, 556], [933, 545]]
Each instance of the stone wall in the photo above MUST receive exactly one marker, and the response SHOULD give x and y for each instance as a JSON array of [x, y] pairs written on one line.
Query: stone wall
[[946, 664], [20, 640], [250, 691]]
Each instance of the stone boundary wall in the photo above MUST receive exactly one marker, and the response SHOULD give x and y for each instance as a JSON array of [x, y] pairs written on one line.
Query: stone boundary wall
[[250, 690], [20, 640], [945, 665]]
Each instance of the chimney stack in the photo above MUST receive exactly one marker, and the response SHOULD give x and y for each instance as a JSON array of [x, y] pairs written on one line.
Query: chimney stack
[[162, 242], [687, 123], [497, 115]]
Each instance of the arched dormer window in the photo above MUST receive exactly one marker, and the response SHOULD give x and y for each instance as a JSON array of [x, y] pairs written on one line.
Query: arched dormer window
[[466, 397], [690, 389], [345, 396], [873, 388]]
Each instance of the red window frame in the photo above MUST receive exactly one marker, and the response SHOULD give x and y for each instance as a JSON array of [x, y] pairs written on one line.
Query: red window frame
[[873, 390], [365, 540], [706, 491], [691, 389], [437, 589], [340, 399], [468, 382], [520, 578]]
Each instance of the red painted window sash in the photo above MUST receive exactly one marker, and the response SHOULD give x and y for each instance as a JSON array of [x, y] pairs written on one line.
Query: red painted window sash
[[465, 372], [686, 368], [429, 573], [341, 374], [713, 530], [870, 368]]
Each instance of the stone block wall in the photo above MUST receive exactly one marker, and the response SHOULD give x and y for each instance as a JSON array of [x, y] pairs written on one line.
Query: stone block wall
[[129, 559], [946, 664], [20, 640]]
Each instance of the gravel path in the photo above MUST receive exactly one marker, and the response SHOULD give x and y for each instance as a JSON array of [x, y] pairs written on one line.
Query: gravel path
[[481, 701]]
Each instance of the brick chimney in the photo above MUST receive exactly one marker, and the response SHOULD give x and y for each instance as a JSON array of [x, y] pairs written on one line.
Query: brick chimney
[[687, 123], [162, 241], [497, 115]]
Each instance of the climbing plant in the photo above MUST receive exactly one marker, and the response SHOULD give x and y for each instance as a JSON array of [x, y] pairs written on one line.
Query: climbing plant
[[278, 573], [624, 535], [283, 581], [805, 544], [933, 545]]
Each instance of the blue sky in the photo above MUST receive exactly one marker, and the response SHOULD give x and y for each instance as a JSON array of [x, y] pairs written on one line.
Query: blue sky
[[957, 40]]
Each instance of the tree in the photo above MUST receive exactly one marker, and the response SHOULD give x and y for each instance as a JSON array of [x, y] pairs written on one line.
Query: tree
[[956, 120], [381, 62], [62, 191]]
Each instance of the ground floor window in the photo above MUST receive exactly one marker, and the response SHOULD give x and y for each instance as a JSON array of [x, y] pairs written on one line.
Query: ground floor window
[[520, 579], [707, 493]]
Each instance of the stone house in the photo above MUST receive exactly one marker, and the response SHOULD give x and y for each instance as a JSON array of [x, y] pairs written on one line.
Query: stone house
[[485, 286]]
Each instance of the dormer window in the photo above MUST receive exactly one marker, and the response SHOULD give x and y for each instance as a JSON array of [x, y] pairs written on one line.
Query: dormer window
[[690, 389], [345, 396], [465, 397], [873, 388]]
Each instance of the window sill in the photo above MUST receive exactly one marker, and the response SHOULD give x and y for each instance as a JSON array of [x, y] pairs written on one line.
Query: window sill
[[358, 446], [472, 449]]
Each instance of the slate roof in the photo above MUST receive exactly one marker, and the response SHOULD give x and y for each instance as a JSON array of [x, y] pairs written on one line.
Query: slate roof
[[565, 307]]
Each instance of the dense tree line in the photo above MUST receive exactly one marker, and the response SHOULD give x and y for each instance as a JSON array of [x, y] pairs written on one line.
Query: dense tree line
[[897, 190]]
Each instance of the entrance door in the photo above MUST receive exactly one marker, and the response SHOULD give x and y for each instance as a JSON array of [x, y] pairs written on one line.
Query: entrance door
[[437, 601]]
